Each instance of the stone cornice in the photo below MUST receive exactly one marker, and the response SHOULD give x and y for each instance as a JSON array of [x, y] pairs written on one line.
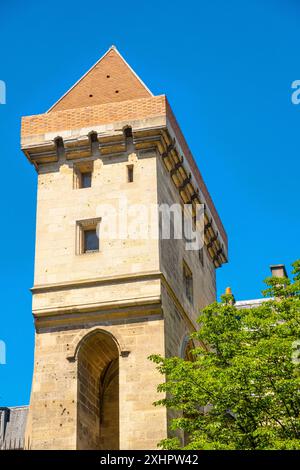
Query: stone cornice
[[143, 276], [38, 127], [107, 311]]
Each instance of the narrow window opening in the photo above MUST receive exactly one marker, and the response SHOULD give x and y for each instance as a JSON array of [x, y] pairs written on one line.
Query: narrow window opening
[[130, 173], [188, 282], [201, 256], [83, 175]]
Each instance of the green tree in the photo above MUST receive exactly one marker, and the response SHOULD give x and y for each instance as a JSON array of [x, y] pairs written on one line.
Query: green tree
[[242, 391]]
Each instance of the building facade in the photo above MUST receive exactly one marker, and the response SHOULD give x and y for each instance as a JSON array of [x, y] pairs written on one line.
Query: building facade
[[102, 304]]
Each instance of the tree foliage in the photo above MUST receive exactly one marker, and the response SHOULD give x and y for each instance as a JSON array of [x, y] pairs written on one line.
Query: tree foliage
[[242, 391]]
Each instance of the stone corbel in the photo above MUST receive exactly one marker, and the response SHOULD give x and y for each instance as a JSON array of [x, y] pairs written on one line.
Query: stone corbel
[[212, 240], [124, 353], [176, 167], [132, 157], [184, 184]]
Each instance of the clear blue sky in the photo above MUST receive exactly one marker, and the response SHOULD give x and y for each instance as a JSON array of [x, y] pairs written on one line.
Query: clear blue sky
[[226, 67]]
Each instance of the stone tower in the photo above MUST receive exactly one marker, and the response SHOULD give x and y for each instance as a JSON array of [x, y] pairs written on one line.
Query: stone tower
[[102, 305]]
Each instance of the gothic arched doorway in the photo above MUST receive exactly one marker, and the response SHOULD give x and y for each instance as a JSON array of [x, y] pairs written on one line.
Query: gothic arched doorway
[[98, 392]]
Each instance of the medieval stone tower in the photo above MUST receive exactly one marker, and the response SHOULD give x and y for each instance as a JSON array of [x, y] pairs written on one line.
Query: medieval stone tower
[[101, 306]]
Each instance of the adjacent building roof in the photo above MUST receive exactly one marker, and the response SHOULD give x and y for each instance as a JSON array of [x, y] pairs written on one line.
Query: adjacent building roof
[[251, 303], [12, 427]]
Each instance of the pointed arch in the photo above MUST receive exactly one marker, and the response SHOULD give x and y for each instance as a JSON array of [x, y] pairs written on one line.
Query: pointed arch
[[187, 345], [97, 355], [93, 332]]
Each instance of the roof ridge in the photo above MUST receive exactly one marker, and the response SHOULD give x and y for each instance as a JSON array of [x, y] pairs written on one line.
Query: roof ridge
[[14, 407]]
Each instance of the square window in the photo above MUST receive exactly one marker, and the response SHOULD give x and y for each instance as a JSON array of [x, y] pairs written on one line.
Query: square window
[[87, 236]]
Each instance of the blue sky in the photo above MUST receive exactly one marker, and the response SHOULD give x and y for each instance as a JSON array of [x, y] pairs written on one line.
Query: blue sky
[[227, 69]]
